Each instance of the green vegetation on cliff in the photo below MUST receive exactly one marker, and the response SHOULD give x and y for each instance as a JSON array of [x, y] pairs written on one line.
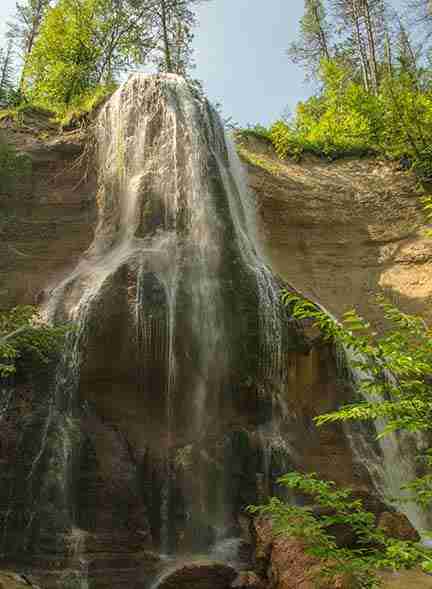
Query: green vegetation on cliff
[[374, 84], [26, 338], [13, 166], [396, 389], [345, 119], [371, 548]]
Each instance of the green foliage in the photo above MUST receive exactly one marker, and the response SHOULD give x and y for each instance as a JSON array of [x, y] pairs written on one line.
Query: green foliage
[[7, 74], [254, 131], [13, 166], [84, 104], [25, 337], [373, 549], [315, 37], [395, 368], [83, 45], [344, 119], [62, 64]]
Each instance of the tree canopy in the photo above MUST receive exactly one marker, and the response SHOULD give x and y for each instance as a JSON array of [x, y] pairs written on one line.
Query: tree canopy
[[69, 50]]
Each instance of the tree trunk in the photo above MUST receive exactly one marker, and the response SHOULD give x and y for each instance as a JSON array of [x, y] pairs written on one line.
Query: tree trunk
[[167, 48], [321, 34], [36, 22], [373, 67], [360, 44]]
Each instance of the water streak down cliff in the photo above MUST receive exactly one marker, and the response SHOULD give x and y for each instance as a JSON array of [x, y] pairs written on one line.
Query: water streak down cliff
[[178, 398]]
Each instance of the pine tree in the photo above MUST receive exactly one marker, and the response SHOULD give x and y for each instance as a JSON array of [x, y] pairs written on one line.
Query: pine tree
[[6, 73], [314, 43], [24, 28], [173, 24], [363, 22], [407, 54]]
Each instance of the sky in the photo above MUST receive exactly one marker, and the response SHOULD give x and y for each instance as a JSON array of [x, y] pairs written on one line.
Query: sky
[[240, 54]]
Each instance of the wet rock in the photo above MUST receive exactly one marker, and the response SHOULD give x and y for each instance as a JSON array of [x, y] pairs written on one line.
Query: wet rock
[[397, 525], [14, 581], [248, 580], [344, 535], [263, 536], [198, 575], [284, 562]]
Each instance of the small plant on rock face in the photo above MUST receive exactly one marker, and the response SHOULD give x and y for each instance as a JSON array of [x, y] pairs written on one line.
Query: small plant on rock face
[[13, 166], [25, 335], [372, 550]]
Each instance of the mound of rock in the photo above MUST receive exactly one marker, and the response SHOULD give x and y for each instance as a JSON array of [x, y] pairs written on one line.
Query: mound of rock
[[198, 575]]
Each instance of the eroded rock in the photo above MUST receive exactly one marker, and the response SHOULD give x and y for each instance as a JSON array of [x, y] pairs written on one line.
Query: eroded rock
[[9, 580], [198, 575], [248, 580], [397, 525]]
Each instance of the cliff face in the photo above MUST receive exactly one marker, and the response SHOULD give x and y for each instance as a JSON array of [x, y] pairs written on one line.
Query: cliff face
[[336, 231], [341, 232], [46, 217]]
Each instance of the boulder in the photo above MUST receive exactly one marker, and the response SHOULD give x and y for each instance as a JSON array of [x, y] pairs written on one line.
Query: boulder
[[198, 575], [284, 562], [248, 580], [397, 525]]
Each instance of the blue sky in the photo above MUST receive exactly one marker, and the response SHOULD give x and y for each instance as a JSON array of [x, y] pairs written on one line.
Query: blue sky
[[240, 54]]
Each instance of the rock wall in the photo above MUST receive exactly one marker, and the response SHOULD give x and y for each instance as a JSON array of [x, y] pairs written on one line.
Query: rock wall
[[47, 218], [336, 231], [344, 231], [340, 232]]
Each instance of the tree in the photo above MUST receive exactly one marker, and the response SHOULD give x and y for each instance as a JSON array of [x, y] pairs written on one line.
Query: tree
[[123, 31], [63, 62], [363, 22], [173, 21], [407, 54], [84, 43], [24, 29], [6, 74], [314, 43]]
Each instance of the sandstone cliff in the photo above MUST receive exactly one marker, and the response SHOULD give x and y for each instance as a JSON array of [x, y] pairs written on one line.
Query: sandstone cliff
[[336, 231], [46, 217], [339, 232], [344, 231]]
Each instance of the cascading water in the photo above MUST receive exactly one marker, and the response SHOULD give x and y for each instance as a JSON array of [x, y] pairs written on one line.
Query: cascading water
[[391, 460], [169, 410], [174, 308]]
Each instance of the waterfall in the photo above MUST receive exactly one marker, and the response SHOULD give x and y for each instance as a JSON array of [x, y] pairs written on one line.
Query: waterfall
[[170, 410], [176, 235]]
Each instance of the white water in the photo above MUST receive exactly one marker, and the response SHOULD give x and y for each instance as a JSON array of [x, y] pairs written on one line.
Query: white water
[[396, 467], [160, 147]]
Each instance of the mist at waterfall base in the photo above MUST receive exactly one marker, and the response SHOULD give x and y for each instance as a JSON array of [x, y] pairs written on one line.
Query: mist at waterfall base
[[168, 413]]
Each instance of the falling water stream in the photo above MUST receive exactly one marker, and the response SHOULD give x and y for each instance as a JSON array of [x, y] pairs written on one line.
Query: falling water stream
[[175, 283], [174, 210]]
